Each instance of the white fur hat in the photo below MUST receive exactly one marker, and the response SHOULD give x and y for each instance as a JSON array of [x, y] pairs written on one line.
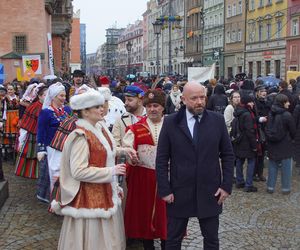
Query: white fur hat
[[88, 99], [105, 91]]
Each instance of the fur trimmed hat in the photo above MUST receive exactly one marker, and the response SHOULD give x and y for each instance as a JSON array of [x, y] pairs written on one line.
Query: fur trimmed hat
[[154, 96], [88, 99], [105, 92]]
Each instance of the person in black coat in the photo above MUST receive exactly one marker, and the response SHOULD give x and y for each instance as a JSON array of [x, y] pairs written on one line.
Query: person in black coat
[[280, 151], [246, 148], [262, 109], [218, 101], [296, 115], [190, 145]]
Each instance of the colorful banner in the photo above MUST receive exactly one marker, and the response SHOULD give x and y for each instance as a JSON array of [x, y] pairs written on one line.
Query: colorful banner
[[32, 63], [50, 54], [2, 76], [292, 75]]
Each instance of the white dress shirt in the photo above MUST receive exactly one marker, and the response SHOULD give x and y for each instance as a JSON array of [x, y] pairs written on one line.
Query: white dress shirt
[[191, 121]]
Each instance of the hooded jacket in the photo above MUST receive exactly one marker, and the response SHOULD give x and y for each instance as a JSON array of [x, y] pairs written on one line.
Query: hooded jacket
[[247, 146], [282, 149]]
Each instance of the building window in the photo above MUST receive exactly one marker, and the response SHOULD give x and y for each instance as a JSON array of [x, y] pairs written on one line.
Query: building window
[[260, 32], [233, 36], [20, 43], [250, 66], [240, 8], [230, 73], [240, 69], [239, 34], [269, 31], [261, 4], [252, 5], [295, 27], [234, 10], [277, 68], [258, 68], [229, 12], [269, 2], [279, 28], [228, 37], [268, 67]]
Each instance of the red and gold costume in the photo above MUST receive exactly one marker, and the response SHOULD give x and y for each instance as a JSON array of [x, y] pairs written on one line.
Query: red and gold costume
[[12, 118], [145, 212]]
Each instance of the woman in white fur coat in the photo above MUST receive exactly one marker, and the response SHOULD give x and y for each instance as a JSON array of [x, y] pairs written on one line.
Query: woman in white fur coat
[[90, 196]]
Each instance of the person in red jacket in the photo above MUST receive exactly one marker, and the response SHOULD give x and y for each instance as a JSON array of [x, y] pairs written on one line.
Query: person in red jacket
[[145, 213]]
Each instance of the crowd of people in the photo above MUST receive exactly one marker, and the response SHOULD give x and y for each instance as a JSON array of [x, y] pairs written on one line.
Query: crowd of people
[[125, 160]]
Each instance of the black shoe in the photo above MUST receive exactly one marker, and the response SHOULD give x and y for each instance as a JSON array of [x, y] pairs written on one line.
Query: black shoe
[[270, 191], [256, 178], [240, 185], [250, 189], [286, 192], [262, 178]]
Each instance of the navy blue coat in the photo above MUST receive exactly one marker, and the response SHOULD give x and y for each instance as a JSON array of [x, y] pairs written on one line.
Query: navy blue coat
[[195, 171]]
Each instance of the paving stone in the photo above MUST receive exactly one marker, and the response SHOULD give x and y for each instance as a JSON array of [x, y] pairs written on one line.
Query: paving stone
[[254, 221]]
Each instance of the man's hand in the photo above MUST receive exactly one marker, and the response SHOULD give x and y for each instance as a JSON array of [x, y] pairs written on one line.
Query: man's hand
[[132, 154], [169, 198], [41, 155], [223, 195]]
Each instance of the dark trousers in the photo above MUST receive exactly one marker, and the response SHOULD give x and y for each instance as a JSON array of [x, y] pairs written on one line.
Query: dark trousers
[[177, 229], [1, 168]]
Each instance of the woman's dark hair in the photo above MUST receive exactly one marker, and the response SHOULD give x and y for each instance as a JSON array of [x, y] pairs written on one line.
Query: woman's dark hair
[[280, 100], [232, 93], [40, 92]]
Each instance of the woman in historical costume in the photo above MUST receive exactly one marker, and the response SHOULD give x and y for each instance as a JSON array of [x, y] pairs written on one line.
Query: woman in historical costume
[[89, 193], [12, 118], [26, 164], [52, 114]]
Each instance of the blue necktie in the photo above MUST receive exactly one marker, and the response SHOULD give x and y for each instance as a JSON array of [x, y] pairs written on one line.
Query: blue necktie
[[196, 130]]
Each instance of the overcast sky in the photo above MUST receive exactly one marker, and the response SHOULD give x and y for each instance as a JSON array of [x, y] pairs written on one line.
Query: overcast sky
[[99, 15]]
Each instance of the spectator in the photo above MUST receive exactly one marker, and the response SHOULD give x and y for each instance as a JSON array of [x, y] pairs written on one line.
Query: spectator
[[280, 151]]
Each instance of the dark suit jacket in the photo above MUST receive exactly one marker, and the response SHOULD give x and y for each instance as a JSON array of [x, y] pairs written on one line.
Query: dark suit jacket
[[195, 170]]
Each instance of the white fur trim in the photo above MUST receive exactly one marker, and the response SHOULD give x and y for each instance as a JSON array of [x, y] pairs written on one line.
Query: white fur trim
[[88, 213], [88, 99], [105, 91]]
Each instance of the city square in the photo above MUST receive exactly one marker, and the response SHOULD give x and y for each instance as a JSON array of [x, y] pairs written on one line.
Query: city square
[[250, 221]]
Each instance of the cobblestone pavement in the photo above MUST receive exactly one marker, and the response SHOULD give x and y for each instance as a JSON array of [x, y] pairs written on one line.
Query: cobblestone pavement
[[250, 220]]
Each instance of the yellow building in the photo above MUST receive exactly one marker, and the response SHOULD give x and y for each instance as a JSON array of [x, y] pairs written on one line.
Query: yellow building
[[266, 25]]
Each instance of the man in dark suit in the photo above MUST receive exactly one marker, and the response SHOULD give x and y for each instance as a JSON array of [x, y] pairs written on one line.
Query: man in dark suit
[[194, 167]]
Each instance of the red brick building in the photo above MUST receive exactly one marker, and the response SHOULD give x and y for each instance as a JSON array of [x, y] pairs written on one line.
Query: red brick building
[[293, 36], [75, 62], [23, 31]]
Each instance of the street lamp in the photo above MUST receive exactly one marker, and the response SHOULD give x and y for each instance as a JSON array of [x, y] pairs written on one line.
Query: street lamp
[[128, 47], [176, 51], [171, 22], [157, 26]]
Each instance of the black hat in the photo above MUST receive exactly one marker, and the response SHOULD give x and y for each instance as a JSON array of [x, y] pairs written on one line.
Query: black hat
[[260, 87], [78, 73], [246, 99]]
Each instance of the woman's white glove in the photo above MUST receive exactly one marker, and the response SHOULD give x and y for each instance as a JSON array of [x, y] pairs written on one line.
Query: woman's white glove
[[41, 155], [119, 169]]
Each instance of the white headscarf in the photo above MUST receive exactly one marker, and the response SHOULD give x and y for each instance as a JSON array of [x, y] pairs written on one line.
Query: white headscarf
[[53, 91], [29, 94]]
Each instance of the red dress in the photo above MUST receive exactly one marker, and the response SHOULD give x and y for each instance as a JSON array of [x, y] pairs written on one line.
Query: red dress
[[145, 213]]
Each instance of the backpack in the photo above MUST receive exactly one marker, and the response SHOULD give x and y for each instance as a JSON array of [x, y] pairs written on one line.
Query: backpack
[[274, 129], [235, 132]]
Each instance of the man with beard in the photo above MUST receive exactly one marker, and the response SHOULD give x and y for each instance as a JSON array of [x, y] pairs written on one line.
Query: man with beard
[[145, 213], [78, 77], [194, 167], [135, 111]]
